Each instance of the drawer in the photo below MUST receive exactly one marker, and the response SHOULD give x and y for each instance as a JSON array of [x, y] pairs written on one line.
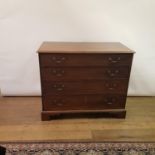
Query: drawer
[[84, 59], [84, 102], [83, 73], [82, 87]]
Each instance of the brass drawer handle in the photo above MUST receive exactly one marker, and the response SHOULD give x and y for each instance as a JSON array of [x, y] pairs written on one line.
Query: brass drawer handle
[[110, 100], [111, 86], [57, 72], [58, 87], [113, 73], [58, 60], [57, 102], [114, 60]]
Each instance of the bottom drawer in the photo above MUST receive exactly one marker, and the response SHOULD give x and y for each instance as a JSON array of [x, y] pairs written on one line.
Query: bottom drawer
[[83, 102]]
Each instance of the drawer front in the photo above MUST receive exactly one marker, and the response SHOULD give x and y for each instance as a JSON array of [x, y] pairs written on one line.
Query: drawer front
[[93, 87], [84, 59], [84, 102], [83, 73]]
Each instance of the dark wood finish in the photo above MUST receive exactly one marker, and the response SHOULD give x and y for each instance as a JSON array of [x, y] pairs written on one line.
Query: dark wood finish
[[84, 78], [64, 59], [47, 115], [87, 102], [84, 87], [88, 73]]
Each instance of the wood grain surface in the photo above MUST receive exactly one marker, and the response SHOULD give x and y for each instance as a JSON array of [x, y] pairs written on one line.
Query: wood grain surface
[[84, 47], [20, 120]]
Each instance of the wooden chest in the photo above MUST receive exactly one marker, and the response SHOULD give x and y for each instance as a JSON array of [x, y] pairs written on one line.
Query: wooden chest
[[84, 77]]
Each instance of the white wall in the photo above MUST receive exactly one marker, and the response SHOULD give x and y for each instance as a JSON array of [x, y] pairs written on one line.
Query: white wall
[[24, 25]]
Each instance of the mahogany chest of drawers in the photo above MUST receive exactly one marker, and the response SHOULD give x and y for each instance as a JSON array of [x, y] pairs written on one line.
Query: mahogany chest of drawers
[[84, 77]]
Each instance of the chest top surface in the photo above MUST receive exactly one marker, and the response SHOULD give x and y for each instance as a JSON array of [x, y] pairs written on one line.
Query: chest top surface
[[83, 47]]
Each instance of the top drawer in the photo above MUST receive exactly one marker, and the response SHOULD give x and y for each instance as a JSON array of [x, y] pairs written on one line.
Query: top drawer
[[49, 59]]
